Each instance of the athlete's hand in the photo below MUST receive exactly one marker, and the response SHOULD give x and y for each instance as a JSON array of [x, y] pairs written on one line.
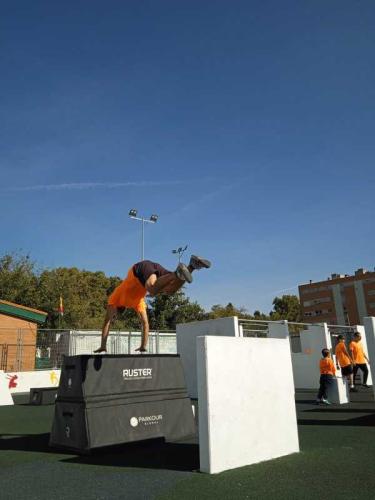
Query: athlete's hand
[[141, 349], [101, 349]]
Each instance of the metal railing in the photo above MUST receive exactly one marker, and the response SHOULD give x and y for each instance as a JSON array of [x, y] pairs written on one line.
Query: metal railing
[[253, 327], [336, 330], [29, 349], [260, 328]]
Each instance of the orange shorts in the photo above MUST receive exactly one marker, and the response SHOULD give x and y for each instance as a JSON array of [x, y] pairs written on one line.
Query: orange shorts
[[130, 293]]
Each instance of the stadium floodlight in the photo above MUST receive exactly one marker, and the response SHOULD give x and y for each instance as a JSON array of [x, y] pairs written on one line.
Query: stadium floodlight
[[133, 215]]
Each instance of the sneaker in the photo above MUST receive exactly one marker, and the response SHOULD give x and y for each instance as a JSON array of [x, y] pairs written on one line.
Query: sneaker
[[325, 402], [198, 263], [183, 273], [366, 385]]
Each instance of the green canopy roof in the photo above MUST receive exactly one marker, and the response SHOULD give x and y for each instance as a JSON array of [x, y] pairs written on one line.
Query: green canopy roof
[[22, 312]]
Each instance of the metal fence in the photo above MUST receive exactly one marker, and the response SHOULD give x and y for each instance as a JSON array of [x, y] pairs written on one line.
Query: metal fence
[[253, 327], [333, 330], [345, 330], [32, 349], [260, 328], [29, 349]]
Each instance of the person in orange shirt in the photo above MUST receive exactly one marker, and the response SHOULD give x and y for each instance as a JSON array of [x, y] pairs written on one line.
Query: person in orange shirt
[[345, 362], [327, 373], [359, 357], [142, 278]]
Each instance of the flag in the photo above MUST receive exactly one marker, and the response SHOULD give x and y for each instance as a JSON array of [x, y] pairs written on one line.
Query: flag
[[61, 306]]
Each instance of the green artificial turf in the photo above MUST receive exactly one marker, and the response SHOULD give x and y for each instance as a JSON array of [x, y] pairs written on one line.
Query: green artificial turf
[[336, 461]]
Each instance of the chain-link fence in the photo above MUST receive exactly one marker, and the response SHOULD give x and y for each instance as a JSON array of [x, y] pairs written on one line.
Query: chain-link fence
[[29, 349]]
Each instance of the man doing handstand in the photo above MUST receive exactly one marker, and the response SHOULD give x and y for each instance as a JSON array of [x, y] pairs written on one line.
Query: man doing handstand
[[142, 278]]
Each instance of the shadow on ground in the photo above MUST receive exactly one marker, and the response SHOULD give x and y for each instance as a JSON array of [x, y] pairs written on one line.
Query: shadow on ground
[[337, 409], [151, 454], [365, 421], [27, 442]]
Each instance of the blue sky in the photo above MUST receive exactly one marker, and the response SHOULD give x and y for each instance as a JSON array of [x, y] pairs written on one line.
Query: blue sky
[[248, 127]]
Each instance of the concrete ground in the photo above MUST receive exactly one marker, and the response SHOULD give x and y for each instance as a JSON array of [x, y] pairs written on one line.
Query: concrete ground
[[336, 461]]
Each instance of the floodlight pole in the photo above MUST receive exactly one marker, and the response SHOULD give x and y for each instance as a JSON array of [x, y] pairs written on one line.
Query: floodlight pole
[[143, 239], [152, 219]]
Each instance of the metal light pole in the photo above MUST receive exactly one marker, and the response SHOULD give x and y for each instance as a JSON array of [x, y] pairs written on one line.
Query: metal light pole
[[180, 252], [133, 215]]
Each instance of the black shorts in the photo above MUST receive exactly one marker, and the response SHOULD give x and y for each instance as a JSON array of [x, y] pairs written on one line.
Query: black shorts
[[347, 370]]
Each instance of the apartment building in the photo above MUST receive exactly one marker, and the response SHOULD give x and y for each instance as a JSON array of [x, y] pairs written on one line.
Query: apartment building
[[339, 300]]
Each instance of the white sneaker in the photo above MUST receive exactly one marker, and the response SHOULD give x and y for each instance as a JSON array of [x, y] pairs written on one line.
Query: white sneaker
[[183, 273], [325, 401]]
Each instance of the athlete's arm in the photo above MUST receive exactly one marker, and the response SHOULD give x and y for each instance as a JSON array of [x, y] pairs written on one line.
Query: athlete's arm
[[351, 355], [150, 284], [109, 317], [142, 315]]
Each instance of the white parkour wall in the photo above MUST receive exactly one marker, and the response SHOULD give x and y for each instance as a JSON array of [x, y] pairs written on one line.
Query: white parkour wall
[[245, 401], [361, 329], [369, 324], [5, 395], [186, 344], [278, 330], [306, 364], [338, 392], [24, 381]]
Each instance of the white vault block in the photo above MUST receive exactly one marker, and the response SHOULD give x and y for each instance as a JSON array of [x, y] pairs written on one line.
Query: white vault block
[[187, 333], [338, 392], [246, 414], [369, 324], [361, 329], [5, 395]]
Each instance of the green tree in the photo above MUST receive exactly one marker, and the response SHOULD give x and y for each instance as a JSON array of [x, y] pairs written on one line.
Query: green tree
[[166, 311], [260, 316], [18, 281], [219, 311], [84, 295], [286, 307]]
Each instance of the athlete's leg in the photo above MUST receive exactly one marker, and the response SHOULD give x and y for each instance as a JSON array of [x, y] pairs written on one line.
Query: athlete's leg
[[142, 315], [168, 283], [109, 317], [173, 287], [172, 282], [198, 263]]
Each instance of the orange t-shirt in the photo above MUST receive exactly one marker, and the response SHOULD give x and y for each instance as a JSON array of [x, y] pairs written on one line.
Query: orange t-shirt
[[130, 293], [358, 354], [327, 366], [342, 355]]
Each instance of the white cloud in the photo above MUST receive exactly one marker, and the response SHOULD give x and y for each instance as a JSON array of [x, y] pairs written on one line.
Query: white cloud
[[92, 185]]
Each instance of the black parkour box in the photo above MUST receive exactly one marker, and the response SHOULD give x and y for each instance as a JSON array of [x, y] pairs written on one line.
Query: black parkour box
[[113, 399], [43, 395]]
